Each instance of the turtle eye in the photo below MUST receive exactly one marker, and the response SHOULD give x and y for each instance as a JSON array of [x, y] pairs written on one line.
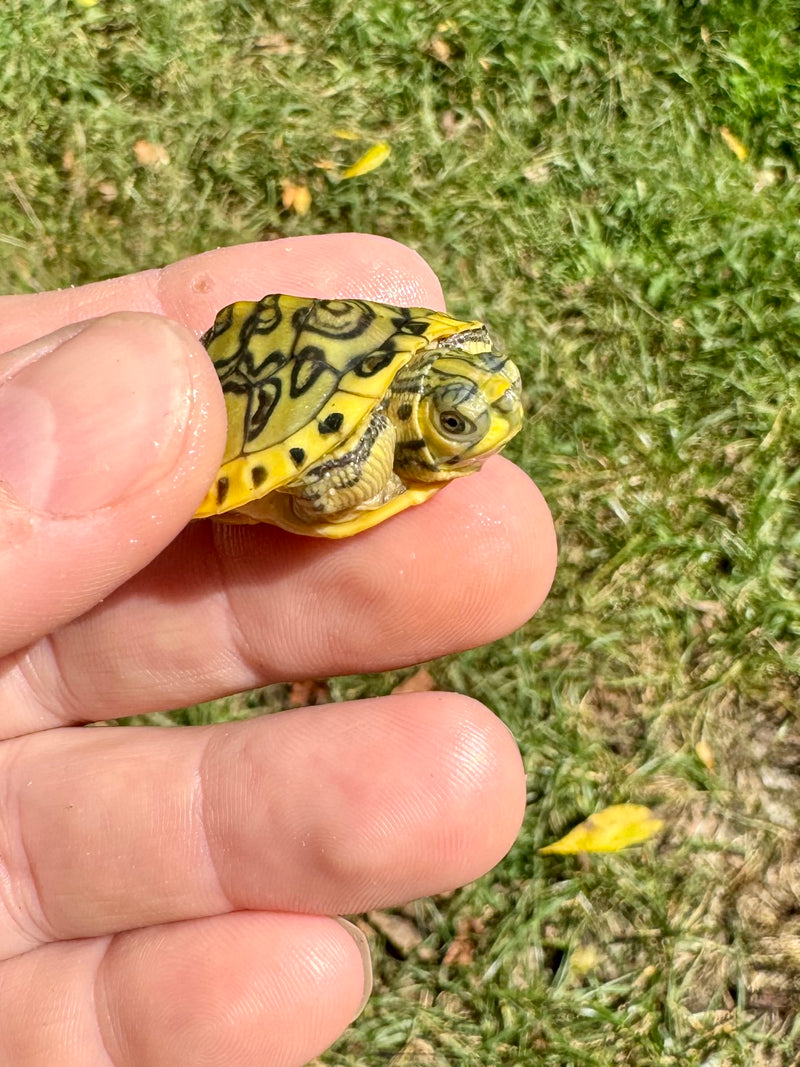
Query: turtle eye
[[453, 422]]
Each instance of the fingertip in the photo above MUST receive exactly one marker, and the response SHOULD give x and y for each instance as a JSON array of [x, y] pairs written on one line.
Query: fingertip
[[486, 545], [442, 805], [482, 777], [532, 546], [245, 988]]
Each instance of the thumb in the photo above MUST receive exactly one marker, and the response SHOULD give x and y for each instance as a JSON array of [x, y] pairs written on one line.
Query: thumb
[[111, 430]]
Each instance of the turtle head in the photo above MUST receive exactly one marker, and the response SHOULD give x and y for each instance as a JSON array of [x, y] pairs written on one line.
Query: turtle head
[[466, 404]]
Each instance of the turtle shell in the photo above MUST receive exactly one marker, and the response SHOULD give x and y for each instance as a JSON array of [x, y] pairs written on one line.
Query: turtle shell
[[298, 376]]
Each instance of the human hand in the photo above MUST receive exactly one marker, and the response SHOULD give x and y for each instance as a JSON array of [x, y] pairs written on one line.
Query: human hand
[[165, 894]]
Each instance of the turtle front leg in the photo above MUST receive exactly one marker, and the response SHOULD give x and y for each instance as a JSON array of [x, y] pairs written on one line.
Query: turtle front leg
[[351, 490], [358, 476]]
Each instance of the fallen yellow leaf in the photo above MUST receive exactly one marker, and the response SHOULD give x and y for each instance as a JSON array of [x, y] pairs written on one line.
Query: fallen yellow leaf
[[295, 197], [735, 145], [372, 158], [609, 830], [345, 135], [705, 754]]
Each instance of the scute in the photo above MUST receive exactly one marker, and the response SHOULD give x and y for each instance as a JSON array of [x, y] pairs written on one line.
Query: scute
[[298, 376]]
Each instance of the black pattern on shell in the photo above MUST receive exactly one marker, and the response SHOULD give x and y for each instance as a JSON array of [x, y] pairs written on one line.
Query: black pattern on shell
[[342, 319]]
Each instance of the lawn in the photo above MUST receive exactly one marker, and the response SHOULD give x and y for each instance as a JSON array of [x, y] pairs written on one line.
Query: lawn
[[615, 187]]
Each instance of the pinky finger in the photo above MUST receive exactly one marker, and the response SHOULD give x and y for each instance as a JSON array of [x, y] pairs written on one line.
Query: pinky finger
[[230, 991]]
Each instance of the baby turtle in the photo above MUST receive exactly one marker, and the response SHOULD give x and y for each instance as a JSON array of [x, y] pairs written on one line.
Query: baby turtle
[[341, 413]]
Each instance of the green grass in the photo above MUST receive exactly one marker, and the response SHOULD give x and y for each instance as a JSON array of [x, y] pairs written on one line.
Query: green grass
[[565, 173]]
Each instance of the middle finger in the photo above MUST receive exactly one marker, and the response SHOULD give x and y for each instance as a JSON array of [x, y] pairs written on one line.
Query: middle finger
[[228, 608], [121, 828]]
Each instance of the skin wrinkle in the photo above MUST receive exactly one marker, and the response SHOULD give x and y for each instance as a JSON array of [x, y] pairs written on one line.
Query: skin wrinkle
[[284, 813], [110, 1061], [158, 795], [235, 797], [236, 627], [201, 815], [199, 1021], [64, 695], [25, 898], [46, 689], [20, 683], [460, 774]]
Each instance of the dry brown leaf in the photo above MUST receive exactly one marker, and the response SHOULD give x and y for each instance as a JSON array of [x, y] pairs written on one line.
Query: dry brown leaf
[[439, 49], [538, 174], [401, 933], [150, 155], [307, 693], [461, 949], [421, 681], [417, 1053], [276, 44]]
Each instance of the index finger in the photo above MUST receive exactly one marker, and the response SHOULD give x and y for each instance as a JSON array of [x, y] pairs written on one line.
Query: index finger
[[193, 290]]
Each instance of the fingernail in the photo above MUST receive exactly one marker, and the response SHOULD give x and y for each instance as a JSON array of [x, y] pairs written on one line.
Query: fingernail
[[366, 960], [99, 414]]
